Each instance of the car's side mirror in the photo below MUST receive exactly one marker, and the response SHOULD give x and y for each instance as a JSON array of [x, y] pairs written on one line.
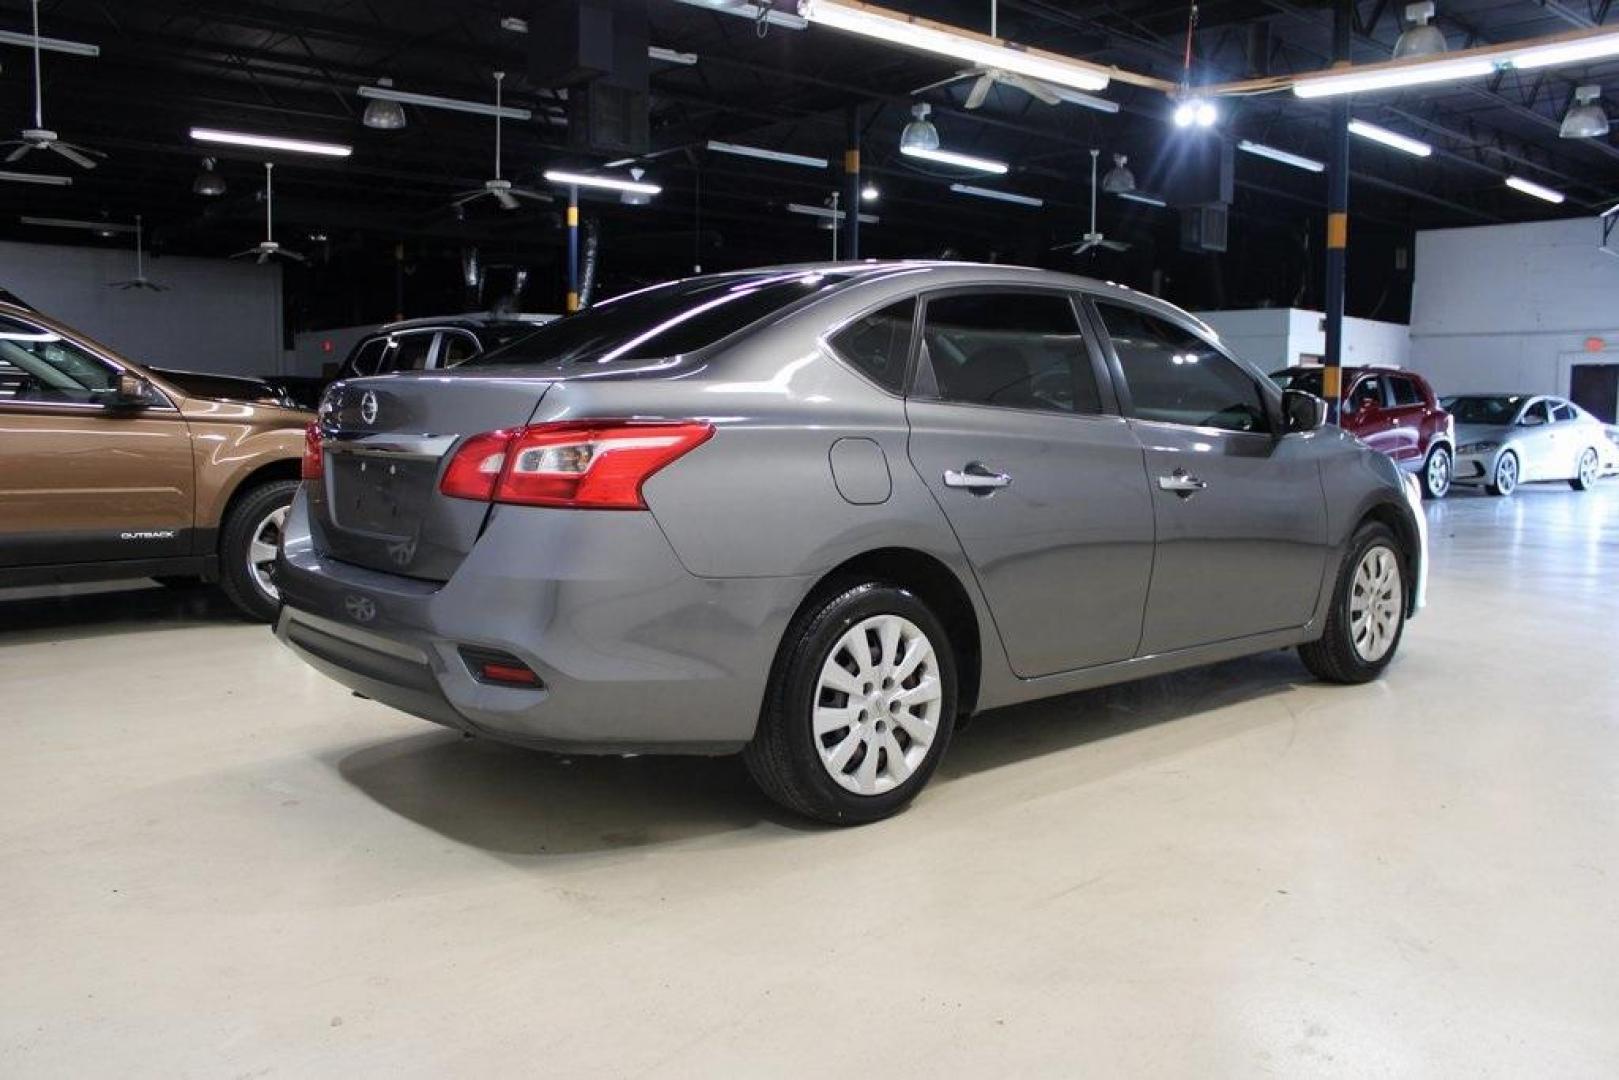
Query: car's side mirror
[[130, 392], [1303, 411]]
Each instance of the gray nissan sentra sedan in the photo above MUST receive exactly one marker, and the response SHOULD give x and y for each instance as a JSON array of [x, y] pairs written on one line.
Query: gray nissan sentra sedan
[[819, 514]]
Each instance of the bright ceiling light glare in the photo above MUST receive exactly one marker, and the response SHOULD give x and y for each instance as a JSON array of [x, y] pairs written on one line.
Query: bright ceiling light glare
[[1298, 161], [1195, 112], [1206, 114], [1529, 187], [1415, 73], [1573, 52], [1184, 114], [1001, 196], [961, 161], [913, 33], [610, 183], [869, 193], [270, 142], [1414, 147]]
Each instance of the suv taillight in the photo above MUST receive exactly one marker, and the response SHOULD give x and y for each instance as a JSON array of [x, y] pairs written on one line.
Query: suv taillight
[[579, 464], [314, 456]]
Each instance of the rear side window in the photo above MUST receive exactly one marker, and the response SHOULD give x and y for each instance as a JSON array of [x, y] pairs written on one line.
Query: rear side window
[[457, 347], [879, 344], [410, 352], [1406, 392], [365, 359], [1009, 349], [1564, 412], [1176, 377], [663, 321]]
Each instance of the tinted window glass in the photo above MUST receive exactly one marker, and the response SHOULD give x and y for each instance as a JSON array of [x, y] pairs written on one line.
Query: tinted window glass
[[39, 365], [662, 321], [409, 352], [364, 359], [1368, 393], [879, 344], [1016, 350], [1536, 414], [1405, 391], [1484, 410], [1564, 412], [1176, 377], [457, 347]]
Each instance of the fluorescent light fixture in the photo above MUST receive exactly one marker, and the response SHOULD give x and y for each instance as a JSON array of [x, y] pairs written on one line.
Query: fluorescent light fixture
[[1412, 146], [1416, 73], [991, 193], [950, 157], [767, 155], [1529, 187], [612, 183], [430, 101], [270, 142], [671, 56], [106, 227], [1591, 48], [35, 178], [1076, 97], [620, 163], [910, 32], [1298, 161], [744, 10], [74, 48], [514, 23], [828, 214], [1142, 197]]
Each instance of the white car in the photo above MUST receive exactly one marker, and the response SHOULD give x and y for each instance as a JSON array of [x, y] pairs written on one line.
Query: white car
[[1503, 440]]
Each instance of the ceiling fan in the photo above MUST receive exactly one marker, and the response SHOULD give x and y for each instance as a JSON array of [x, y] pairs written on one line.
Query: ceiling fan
[[139, 281], [1093, 239], [267, 247], [499, 189], [989, 77], [39, 137]]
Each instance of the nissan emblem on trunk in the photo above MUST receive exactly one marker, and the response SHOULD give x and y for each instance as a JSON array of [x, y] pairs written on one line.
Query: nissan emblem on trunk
[[368, 408]]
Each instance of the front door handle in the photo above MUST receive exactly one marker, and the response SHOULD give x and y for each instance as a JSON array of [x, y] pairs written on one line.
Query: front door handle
[[976, 477], [1181, 483]]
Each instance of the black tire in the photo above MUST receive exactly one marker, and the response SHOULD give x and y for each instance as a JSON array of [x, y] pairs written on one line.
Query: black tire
[[784, 758], [1437, 471], [1506, 478], [235, 539], [1590, 468], [1334, 657]]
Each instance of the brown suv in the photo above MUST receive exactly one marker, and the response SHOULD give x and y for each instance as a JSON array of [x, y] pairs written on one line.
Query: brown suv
[[110, 470]]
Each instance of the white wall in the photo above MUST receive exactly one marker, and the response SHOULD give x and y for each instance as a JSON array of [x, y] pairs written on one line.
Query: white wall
[[1275, 338], [218, 315], [1509, 307]]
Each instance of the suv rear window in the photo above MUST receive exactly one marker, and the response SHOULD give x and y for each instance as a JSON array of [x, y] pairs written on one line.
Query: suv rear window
[[663, 321]]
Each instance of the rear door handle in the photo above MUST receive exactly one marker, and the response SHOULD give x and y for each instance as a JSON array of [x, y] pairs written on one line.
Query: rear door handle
[[976, 477], [1182, 484]]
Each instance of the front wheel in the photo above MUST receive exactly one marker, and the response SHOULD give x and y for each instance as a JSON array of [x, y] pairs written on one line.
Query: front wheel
[[1505, 481], [1590, 468], [1367, 617], [860, 708], [247, 548], [1436, 473]]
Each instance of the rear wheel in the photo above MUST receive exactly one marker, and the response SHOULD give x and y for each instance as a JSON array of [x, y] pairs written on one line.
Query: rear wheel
[[860, 708], [1436, 473], [1367, 617], [1505, 481], [1590, 468], [247, 548]]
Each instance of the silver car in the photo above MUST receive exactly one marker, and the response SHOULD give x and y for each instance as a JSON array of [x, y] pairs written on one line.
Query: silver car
[[821, 514], [1503, 440]]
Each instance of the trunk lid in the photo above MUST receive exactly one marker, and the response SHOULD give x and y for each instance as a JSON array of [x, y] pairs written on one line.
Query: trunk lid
[[386, 441]]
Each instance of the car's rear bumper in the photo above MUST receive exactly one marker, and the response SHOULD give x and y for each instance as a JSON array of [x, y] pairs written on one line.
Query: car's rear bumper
[[633, 652]]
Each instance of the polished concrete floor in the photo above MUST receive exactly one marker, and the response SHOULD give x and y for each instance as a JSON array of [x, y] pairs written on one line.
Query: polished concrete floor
[[215, 863]]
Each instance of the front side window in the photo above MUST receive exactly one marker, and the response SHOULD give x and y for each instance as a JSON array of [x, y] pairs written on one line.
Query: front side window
[[879, 344], [1405, 392], [457, 348], [1176, 377], [1536, 415], [1367, 394], [1010, 349], [40, 365]]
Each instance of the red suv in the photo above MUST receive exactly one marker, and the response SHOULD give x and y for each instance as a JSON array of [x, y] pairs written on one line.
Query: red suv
[[1394, 411]]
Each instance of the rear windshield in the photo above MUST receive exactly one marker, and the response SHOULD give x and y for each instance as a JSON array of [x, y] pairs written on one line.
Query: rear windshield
[[663, 321], [1484, 410]]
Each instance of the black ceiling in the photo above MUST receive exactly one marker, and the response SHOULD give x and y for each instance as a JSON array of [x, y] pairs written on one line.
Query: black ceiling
[[293, 68]]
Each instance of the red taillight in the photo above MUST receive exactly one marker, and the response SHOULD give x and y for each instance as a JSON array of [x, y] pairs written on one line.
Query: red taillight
[[511, 674], [314, 456], [585, 464]]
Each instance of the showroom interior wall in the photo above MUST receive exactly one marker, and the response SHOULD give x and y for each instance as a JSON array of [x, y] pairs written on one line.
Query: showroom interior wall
[[1512, 307], [216, 315], [1279, 337]]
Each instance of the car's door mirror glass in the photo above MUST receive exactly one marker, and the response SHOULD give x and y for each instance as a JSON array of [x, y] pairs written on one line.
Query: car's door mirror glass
[[1303, 411], [129, 392]]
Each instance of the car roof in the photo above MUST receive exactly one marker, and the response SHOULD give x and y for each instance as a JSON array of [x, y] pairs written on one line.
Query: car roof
[[1378, 369], [466, 320]]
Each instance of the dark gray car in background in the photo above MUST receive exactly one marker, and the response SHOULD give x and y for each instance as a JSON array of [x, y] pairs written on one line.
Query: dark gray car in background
[[819, 514]]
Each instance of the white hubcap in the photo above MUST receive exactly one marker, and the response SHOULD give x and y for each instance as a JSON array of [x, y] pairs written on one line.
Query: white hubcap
[[1506, 473], [1439, 473], [877, 702], [261, 551], [1588, 468], [1376, 603]]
